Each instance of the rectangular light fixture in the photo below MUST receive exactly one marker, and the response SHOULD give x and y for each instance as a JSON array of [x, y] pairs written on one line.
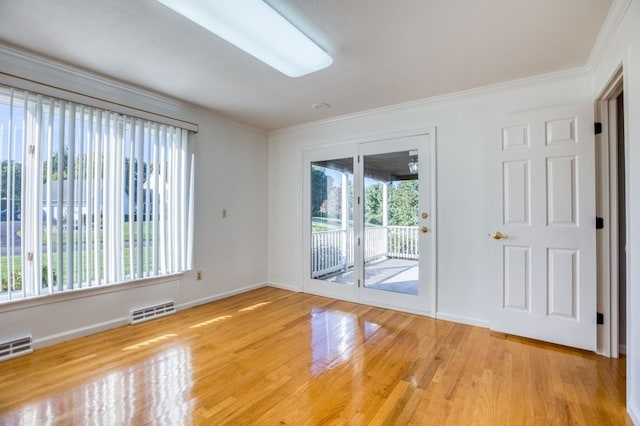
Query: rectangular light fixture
[[256, 28]]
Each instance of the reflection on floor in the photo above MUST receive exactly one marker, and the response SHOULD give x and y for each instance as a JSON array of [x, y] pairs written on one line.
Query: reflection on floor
[[397, 275]]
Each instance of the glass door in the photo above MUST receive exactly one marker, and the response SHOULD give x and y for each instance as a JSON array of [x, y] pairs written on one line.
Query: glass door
[[330, 267], [396, 222], [367, 223]]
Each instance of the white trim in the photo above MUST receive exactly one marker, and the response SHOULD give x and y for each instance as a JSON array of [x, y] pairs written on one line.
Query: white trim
[[607, 189], [476, 322], [634, 415], [571, 73], [622, 349], [13, 61], [607, 31], [121, 321], [285, 287], [373, 137], [79, 332], [219, 296], [613, 87], [603, 245], [81, 293], [425, 313]]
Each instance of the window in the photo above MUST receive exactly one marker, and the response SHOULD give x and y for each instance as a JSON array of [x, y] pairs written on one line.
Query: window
[[88, 197]]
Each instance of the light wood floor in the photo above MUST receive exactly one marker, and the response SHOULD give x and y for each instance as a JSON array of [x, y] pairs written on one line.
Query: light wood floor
[[276, 357]]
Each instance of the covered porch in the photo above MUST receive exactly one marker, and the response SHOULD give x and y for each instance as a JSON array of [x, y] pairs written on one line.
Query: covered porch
[[390, 213]]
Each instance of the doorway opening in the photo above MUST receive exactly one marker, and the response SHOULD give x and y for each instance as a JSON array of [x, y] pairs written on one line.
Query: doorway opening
[[622, 229], [611, 208]]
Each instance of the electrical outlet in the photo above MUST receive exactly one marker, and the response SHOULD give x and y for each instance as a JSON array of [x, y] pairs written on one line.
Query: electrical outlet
[[199, 275]]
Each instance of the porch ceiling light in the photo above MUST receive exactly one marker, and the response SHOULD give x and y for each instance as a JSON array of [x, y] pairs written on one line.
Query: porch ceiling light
[[413, 162], [259, 30]]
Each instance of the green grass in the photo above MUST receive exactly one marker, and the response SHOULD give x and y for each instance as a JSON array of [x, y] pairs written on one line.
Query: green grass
[[15, 261], [320, 224]]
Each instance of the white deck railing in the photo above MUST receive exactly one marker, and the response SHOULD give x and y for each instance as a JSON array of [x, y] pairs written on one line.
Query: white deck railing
[[332, 251], [402, 242]]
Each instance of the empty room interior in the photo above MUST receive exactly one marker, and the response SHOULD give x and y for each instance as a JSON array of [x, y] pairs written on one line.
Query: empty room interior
[[304, 212]]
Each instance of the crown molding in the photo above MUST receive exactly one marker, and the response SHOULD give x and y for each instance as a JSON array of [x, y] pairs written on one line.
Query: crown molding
[[482, 90], [611, 23]]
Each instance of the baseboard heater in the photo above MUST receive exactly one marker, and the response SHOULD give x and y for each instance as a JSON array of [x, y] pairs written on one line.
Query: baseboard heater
[[15, 347], [152, 312]]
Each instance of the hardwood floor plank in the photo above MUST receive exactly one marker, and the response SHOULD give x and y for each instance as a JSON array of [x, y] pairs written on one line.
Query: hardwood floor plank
[[274, 357]]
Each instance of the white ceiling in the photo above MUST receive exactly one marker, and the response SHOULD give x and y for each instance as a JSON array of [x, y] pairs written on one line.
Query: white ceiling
[[385, 52]]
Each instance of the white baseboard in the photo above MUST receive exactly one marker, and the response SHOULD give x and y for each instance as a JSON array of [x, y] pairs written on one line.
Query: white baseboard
[[117, 322], [285, 287], [462, 320], [634, 413], [208, 299], [79, 332]]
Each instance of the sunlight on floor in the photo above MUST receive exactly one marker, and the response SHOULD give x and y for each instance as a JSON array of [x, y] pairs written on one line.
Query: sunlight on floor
[[253, 307], [211, 321], [150, 342]]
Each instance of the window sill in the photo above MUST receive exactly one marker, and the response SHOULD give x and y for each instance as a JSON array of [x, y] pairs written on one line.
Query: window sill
[[31, 302]]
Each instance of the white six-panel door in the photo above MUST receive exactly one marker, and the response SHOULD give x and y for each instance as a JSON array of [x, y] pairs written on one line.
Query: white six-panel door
[[544, 236]]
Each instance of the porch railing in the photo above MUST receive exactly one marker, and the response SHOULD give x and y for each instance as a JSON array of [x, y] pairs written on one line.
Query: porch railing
[[332, 251]]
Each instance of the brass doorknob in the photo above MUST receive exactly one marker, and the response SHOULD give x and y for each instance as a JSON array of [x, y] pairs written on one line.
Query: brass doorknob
[[424, 229], [424, 215], [499, 236]]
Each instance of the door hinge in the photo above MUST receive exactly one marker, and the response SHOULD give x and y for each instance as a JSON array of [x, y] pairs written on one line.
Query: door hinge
[[597, 128], [358, 159], [358, 200], [32, 149], [600, 318], [358, 241], [599, 223], [358, 282], [30, 256]]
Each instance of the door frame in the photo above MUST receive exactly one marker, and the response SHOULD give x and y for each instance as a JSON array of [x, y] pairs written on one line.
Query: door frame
[[352, 145], [607, 208]]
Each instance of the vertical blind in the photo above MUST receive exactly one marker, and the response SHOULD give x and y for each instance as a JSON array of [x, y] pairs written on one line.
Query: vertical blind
[[88, 197]]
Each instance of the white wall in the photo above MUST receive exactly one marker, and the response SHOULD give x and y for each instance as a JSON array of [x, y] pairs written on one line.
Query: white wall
[[464, 191], [624, 48], [230, 164]]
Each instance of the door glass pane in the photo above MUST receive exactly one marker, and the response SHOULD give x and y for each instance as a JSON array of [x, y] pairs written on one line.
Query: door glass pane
[[332, 221], [391, 222]]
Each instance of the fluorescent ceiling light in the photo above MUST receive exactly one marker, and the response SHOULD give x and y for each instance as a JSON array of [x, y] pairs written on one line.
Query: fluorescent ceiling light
[[253, 26]]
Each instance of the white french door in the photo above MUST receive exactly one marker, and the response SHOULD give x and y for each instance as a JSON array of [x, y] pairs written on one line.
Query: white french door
[[544, 234], [368, 213]]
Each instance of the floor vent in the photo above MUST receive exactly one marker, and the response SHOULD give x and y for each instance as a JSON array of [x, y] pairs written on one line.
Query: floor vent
[[152, 312], [16, 347]]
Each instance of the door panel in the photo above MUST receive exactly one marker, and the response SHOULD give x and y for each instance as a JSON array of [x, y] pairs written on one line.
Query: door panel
[[329, 223], [399, 273], [517, 200], [561, 191], [390, 238], [562, 265], [516, 280], [332, 249], [545, 249]]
